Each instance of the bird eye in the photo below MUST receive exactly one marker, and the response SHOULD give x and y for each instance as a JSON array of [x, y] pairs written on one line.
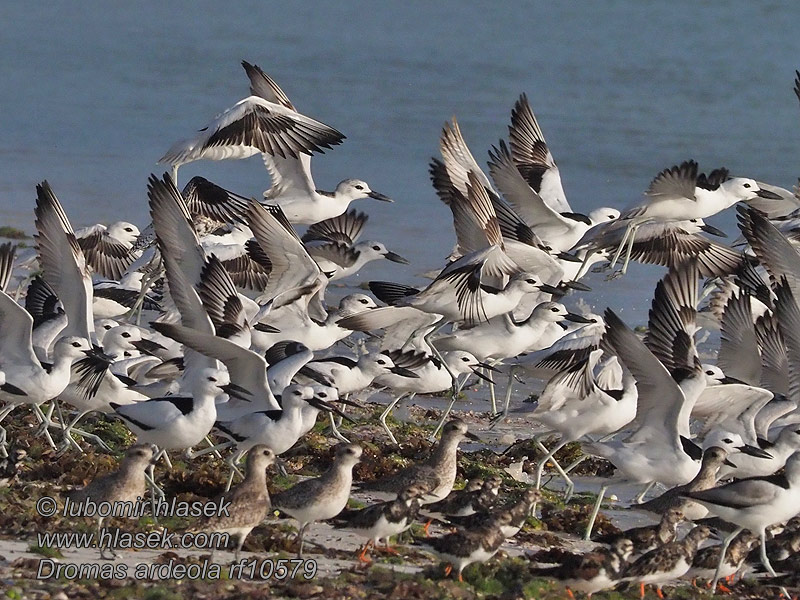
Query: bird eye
[[212, 379], [381, 362], [322, 395], [76, 344], [359, 187], [465, 359], [106, 327], [692, 220], [297, 393], [554, 310], [129, 229], [531, 281], [728, 440], [709, 372], [126, 335], [376, 247], [611, 217], [746, 185], [364, 301]]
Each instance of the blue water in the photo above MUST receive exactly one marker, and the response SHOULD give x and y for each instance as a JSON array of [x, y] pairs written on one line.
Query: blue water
[[92, 96]]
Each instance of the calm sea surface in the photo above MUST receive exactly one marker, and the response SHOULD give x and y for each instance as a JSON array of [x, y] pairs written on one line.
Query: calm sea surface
[[93, 93]]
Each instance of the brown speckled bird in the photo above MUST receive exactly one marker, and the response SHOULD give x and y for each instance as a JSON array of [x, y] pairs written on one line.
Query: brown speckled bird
[[126, 484], [248, 502]]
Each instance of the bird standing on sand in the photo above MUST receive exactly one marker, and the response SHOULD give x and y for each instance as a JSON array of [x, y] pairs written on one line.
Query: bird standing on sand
[[248, 502], [323, 497], [126, 484]]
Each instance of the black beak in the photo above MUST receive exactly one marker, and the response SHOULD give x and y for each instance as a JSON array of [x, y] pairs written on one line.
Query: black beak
[[713, 230], [577, 285], [379, 196], [768, 195], [349, 402], [471, 436], [732, 380], [263, 327], [754, 451], [488, 367], [549, 289], [396, 258], [576, 318], [729, 463], [12, 389], [147, 346], [97, 352], [481, 375], [326, 406], [404, 372], [566, 256], [236, 391]]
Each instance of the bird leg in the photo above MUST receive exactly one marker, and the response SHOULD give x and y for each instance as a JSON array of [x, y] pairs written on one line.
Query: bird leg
[[215, 448], [3, 436], [387, 411], [362, 556], [232, 461], [446, 414], [46, 422], [723, 551], [549, 456], [238, 550], [492, 397], [588, 535], [586, 262], [499, 418], [427, 527], [447, 570], [302, 534], [640, 498], [67, 432], [630, 244], [387, 548], [335, 429], [622, 242], [764, 559], [174, 172]]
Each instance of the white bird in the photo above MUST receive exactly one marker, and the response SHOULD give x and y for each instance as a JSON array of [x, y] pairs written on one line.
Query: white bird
[[680, 193], [62, 263], [754, 504], [503, 337], [775, 457], [109, 250], [181, 421], [293, 187], [655, 451], [458, 293], [576, 403], [246, 368], [348, 375], [253, 126], [526, 169], [433, 376]]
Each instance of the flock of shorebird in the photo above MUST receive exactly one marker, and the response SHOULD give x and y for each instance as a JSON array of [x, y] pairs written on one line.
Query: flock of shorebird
[[241, 345]]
